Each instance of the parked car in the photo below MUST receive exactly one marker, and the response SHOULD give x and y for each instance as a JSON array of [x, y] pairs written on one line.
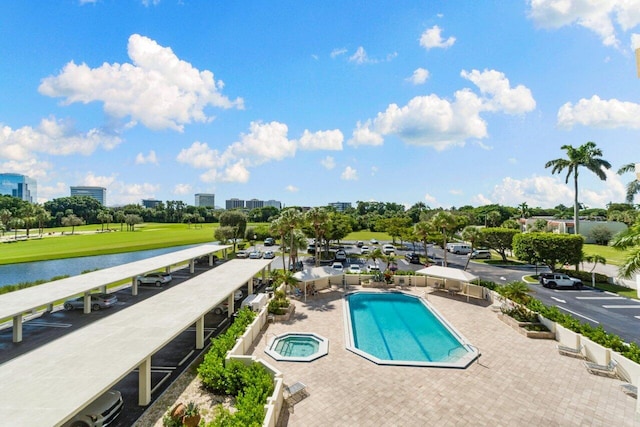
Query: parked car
[[354, 269], [237, 294], [98, 301], [101, 412], [359, 243], [255, 254], [364, 250], [223, 307], [269, 255], [481, 254], [388, 249], [458, 248], [337, 266], [558, 280], [373, 268], [311, 249], [341, 255], [412, 258], [157, 279], [242, 254], [269, 241], [373, 241]]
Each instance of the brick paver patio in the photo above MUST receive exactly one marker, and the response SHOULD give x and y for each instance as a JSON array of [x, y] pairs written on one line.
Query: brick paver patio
[[517, 382]]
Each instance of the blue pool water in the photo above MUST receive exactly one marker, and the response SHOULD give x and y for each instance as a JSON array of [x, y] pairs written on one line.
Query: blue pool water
[[297, 346], [396, 328]]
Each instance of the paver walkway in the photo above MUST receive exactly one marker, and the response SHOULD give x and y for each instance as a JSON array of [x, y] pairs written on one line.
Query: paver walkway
[[517, 382]]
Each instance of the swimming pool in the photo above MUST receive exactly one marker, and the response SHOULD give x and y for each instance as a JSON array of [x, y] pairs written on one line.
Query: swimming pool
[[393, 328]]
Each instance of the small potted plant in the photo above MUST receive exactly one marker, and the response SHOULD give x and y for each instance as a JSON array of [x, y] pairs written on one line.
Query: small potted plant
[[191, 416]]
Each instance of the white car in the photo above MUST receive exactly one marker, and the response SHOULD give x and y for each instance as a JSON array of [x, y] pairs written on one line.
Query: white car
[[242, 254], [374, 269], [364, 250], [157, 279], [269, 255], [101, 412], [355, 269], [337, 266]]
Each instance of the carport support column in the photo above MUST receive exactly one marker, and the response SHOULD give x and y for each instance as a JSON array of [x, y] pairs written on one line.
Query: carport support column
[[144, 382], [200, 333], [134, 286], [192, 266], [231, 306], [17, 328], [87, 302], [250, 286]]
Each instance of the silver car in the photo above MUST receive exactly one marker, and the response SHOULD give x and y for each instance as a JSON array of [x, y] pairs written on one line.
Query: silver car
[[157, 279], [100, 413], [98, 301]]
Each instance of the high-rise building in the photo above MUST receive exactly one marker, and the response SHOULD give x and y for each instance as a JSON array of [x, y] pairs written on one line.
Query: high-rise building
[[204, 199], [253, 204], [98, 193], [150, 203], [20, 186], [273, 203], [340, 206], [234, 204]]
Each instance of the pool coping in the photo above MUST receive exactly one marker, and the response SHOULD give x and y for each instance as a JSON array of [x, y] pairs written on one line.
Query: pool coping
[[323, 348], [461, 363]]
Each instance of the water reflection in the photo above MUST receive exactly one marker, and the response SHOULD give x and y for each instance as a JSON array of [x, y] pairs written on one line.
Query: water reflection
[[44, 270]]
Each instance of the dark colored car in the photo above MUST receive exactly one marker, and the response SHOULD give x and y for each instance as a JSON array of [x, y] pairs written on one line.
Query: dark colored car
[[269, 241], [412, 258], [98, 301]]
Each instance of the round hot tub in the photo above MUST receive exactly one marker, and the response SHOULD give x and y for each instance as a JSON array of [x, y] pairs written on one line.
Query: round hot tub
[[297, 347]]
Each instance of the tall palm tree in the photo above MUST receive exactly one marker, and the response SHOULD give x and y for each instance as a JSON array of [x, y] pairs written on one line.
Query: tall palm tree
[[629, 238], [446, 224], [633, 187], [291, 220], [471, 234], [279, 228], [318, 219], [588, 156]]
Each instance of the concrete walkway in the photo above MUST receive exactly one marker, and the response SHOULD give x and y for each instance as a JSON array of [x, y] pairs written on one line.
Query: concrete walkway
[[517, 381]]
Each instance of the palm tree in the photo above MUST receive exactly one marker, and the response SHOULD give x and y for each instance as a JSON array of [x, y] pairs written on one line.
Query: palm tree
[[588, 156], [279, 228], [633, 187], [471, 234], [629, 238], [423, 231], [318, 219], [446, 224]]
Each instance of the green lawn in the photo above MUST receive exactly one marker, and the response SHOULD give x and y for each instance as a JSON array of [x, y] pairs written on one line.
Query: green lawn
[[146, 236], [612, 255]]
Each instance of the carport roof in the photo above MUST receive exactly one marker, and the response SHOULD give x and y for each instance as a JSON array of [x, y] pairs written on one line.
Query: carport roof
[[48, 385]]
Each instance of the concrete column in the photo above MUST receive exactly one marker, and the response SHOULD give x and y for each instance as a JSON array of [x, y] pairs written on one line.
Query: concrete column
[[231, 305], [250, 286], [134, 286], [144, 382], [167, 269], [200, 333], [17, 328], [50, 307], [192, 266], [103, 289], [87, 302], [211, 260]]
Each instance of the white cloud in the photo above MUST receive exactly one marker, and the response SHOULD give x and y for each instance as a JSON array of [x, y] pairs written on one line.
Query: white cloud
[[374, 170], [440, 123], [419, 76], [92, 180], [600, 113], [321, 140], [599, 16], [199, 155], [635, 41], [364, 135], [133, 90], [141, 159], [292, 189], [481, 200], [328, 162], [121, 193], [349, 174], [502, 97], [432, 38], [236, 172], [182, 189], [360, 56], [33, 168], [431, 201], [338, 52], [48, 192], [536, 191]]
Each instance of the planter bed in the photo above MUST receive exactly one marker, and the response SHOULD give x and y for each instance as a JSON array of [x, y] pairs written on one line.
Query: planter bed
[[521, 327]]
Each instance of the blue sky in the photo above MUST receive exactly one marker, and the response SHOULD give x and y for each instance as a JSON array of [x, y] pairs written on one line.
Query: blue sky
[[449, 103]]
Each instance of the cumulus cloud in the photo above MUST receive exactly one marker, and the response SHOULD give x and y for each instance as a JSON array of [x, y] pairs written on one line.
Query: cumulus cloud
[[33, 168], [602, 16], [360, 56], [93, 180], [349, 174], [600, 113], [328, 162], [141, 159], [441, 123], [265, 142], [292, 188], [432, 38], [635, 41], [182, 189], [133, 90], [431, 201], [322, 140], [419, 76]]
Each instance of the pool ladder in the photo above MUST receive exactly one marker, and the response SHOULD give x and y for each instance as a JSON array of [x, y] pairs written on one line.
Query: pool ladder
[[266, 337]]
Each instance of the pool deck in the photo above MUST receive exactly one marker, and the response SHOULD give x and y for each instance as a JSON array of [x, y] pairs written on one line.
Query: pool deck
[[517, 380]]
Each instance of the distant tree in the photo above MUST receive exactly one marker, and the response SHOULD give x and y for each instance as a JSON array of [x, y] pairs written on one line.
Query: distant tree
[[237, 220], [71, 220], [511, 223], [498, 239], [317, 219], [131, 220], [588, 156], [552, 249], [104, 216], [15, 223], [447, 224], [600, 234]]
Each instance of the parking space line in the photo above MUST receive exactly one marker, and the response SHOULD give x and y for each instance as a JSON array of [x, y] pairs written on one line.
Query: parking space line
[[48, 324], [579, 315], [180, 363], [166, 377], [621, 306], [605, 298]]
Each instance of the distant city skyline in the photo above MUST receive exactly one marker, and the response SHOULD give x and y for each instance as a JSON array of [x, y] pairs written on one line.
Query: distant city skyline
[[316, 102]]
